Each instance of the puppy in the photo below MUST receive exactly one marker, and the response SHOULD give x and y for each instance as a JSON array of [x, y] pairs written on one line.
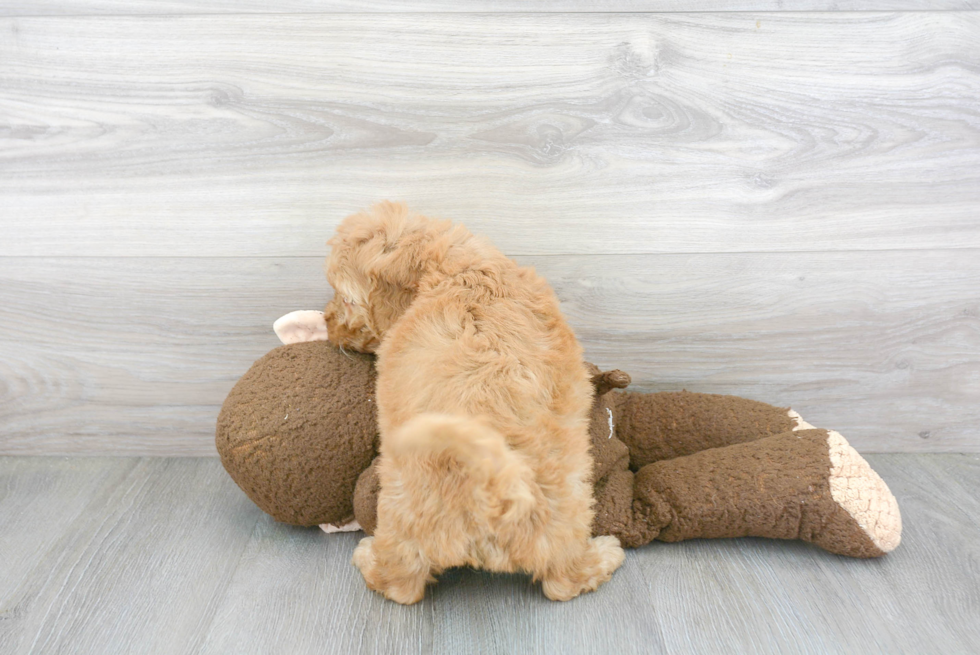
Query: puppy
[[482, 398]]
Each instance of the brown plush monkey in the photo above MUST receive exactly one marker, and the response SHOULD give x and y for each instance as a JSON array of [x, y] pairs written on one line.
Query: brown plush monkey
[[298, 433]]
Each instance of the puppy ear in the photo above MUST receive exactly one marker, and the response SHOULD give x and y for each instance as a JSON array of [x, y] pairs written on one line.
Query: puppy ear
[[401, 254], [390, 251], [301, 326], [402, 269], [384, 243], [386, 303], [398, 248]]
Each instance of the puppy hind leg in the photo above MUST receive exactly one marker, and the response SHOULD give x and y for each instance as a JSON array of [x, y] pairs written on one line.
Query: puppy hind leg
[[396, 573], [592, 567]]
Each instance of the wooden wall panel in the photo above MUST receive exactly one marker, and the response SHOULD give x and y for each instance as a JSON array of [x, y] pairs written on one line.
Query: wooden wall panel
[[551, 133], [778, 205], [164, 7], [135, 356]]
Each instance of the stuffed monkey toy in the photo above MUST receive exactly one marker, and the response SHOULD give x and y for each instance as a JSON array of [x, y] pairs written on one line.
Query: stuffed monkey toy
[[298, 434]]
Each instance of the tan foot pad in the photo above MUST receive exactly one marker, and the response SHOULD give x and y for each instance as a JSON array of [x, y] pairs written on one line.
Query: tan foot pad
[[859, 491], [863, 494]]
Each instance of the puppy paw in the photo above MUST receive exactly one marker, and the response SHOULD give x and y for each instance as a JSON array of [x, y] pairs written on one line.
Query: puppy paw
[[364, 559], [400, 584], [609, 556], [602, 557]]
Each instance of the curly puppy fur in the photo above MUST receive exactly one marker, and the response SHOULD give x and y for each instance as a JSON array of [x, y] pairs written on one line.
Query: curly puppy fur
[[482, 399]]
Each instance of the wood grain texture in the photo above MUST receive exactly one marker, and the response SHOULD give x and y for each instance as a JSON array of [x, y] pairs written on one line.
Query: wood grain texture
[[165, 7], [139, 570], [135, 356], [177, 540], [551, 133], [39, 500], [167, 184]]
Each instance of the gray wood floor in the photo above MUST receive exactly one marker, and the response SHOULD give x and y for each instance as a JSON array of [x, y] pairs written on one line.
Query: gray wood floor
[[125, 555]]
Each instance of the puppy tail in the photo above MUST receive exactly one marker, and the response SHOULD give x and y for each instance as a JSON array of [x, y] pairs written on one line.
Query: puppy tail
[[483, 476]]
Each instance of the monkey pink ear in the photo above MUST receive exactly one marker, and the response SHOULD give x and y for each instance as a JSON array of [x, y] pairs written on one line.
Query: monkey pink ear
[[300, 326]]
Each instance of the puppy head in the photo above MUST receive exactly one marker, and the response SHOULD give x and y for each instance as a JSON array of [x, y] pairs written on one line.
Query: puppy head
[[376, 262]]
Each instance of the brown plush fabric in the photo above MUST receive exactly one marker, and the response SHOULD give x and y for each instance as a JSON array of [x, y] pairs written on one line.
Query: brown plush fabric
[[366, 498], [777, 487], [605, 381], [611, 476], [633, 521], [660, 426], [608, 452], [298, 433], [297, 430]]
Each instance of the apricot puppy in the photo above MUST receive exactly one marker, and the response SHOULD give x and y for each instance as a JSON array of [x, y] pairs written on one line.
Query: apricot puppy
[[482, 400]]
